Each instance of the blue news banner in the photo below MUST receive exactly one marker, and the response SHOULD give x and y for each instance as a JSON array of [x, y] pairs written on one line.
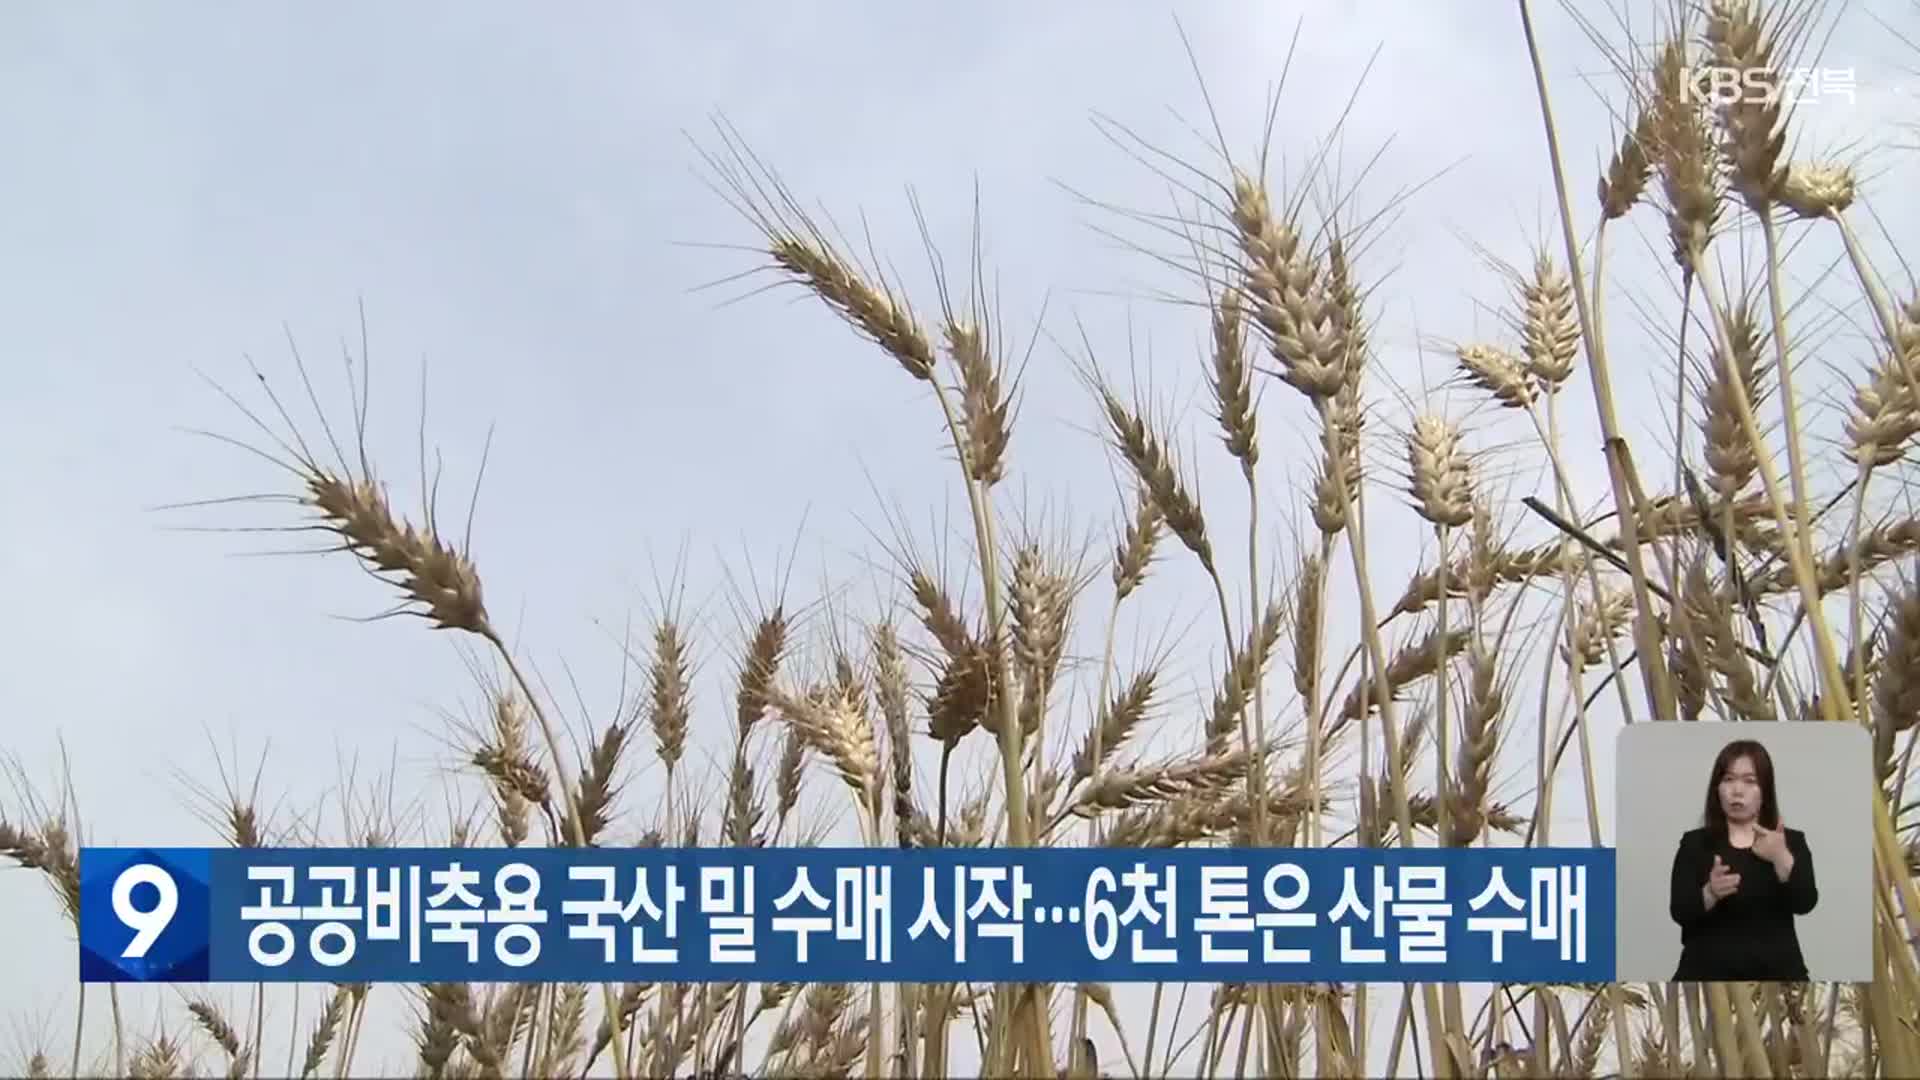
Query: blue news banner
[[846, 915]]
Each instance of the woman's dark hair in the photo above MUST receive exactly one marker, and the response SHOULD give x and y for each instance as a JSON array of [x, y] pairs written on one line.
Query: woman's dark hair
[[1762, 773]]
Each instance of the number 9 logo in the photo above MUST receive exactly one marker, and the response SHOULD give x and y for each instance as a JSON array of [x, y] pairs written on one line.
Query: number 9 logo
[[147, 925]]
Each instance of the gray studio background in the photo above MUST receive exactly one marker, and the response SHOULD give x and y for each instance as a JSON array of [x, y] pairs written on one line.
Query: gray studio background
[[1822, 773]]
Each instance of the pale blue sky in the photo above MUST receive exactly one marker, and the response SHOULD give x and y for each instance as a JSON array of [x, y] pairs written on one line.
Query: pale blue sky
[[512, 193]]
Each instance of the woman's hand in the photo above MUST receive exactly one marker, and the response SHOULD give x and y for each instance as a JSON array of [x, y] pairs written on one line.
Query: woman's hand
[[1771, 845], [1722, 882]]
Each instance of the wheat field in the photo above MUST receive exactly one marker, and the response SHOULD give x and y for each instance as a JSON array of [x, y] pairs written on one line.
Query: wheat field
[[1427, 570]]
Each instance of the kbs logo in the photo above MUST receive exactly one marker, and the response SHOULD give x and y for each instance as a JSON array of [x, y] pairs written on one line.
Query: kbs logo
[[1717, 85]]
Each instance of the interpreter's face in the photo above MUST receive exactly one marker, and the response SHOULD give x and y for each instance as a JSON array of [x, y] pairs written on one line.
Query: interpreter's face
[[1740, 792]]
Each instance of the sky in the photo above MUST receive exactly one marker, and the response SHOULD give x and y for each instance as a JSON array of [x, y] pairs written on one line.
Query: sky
[[516, 200]]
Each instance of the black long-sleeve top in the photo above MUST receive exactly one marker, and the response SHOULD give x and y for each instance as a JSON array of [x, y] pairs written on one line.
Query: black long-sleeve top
[[1748, 936]]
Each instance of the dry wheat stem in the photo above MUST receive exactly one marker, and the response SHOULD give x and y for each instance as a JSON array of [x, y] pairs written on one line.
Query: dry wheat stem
[[1307, 660], [1234, 391], [430, 573], [1835, 701], [1655, 678], [1377, 655], [1010, 732], [1646, 640], [1836, 698], [576, 816], [1442, 660]]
